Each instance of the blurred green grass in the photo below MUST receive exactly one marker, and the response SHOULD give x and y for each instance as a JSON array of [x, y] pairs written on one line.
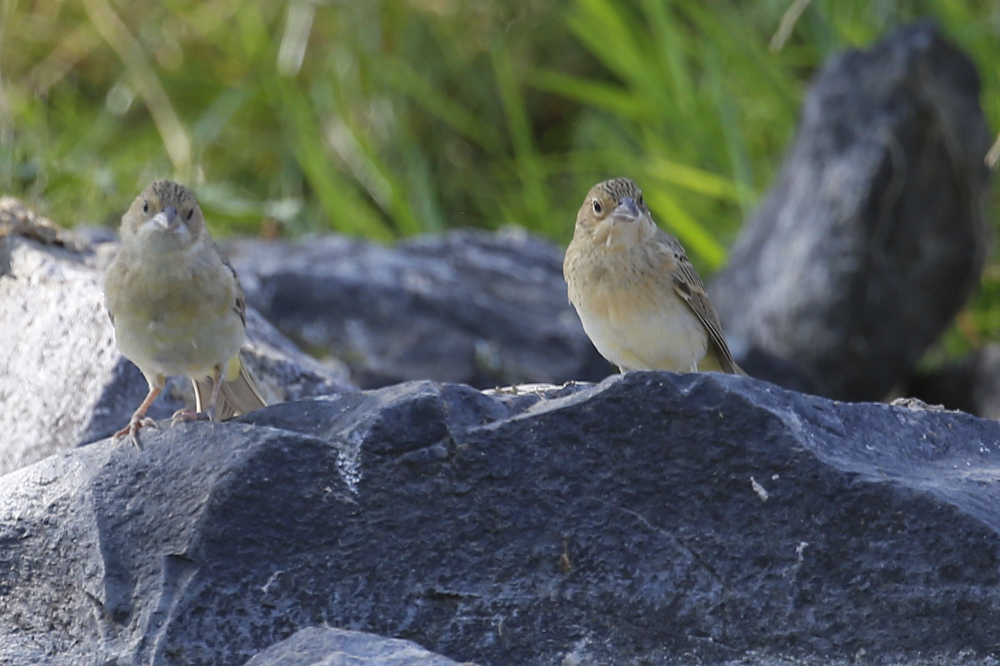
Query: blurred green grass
[[387, 118]]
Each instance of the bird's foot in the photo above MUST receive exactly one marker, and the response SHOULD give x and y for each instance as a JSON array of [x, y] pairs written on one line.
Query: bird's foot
[[132, 429], [185, 415]]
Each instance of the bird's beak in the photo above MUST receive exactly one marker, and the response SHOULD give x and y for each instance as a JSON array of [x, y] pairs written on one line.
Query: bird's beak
[[627, 211], [167, 219]]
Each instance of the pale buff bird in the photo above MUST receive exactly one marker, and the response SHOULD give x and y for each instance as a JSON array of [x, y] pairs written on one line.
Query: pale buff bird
[[640, 300], [177, 307]]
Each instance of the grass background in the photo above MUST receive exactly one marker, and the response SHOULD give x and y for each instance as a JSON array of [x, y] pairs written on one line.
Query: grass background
[[387, 118]]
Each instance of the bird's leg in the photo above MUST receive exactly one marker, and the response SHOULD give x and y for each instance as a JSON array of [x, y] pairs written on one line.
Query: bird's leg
[[139, 419], [209, 413], [216, 387]]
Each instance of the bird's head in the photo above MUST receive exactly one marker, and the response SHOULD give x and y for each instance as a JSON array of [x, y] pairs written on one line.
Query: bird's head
[[166, 215], [614, 214]]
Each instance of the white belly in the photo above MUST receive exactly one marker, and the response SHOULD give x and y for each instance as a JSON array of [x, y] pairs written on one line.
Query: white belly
[[191, 347], [660, 333]]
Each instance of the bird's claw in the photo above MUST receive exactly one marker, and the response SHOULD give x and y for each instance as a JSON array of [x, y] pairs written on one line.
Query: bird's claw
[[132, 430], [185, 415]]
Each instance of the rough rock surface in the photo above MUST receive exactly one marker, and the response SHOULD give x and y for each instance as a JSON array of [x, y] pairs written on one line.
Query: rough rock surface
[[875, 234], [472, 307], [650, 519], [325, 646], [63, 380]]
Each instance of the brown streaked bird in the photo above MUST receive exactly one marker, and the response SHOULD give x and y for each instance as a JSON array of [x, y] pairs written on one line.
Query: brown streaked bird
[[640, 300], [177, 307]]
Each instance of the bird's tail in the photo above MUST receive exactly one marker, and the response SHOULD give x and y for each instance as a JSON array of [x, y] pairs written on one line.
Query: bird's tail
[[237, 396], [717, 360]]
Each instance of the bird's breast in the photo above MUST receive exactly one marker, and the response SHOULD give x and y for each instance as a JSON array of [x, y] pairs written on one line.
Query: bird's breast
[[174, 318], [632, 314]]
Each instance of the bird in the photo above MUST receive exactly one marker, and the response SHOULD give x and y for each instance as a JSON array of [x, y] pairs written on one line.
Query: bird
[[177, 307], [639, 298]]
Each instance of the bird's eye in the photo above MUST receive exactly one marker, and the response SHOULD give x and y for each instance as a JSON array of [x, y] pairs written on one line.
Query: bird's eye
[[145, 206], [190, 214], [639, 201], [597, 207]]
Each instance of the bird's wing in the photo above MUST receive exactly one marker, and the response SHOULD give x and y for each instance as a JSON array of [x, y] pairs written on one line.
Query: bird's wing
[[240, 306], [240, 394], [688, 285]]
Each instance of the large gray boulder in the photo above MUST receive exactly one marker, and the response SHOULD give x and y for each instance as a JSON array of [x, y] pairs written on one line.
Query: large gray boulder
[[473, 307], [875, 233], [651, 519]]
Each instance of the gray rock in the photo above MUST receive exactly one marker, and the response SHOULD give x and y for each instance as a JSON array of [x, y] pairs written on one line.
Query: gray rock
[[324, 646], [58, 352], [64, 381], [472, 307], [875, 233], [651, 519]]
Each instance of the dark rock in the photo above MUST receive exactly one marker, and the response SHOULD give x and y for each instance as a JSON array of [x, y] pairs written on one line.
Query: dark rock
[[472, 307], [651, 519], [64, 381], [324, 646], [875, 233]]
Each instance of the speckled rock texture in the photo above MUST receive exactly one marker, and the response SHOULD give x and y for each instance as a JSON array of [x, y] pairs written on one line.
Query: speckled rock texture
[[324, 646], [650, 519]]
